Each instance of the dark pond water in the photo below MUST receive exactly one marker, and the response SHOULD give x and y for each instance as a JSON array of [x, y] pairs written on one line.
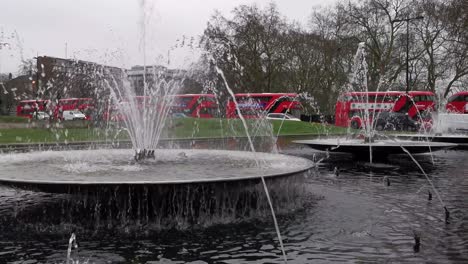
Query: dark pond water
[[353, 218]]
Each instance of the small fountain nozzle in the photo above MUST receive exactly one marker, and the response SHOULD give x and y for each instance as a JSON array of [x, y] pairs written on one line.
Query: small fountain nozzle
[[447, 215], [143, 154], [417, 242], [336, 171], [72, 243], [137, 155]]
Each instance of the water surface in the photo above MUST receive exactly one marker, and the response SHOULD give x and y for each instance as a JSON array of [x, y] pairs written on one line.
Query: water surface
[[355, 217]]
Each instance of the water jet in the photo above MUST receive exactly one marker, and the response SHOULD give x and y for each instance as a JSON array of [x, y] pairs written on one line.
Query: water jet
[[447, 215], [417, 242]]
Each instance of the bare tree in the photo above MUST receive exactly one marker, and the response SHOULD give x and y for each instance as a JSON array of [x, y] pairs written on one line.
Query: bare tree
[[371, 21], [249, 47], [259, 51], [443, 42], [27, 67], [457, 38]]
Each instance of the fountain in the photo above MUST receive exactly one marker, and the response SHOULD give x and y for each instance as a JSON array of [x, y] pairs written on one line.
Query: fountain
[[146, 186], [160, 187], [203, 183], [368, 143], [185, 186], [371, 144], [152, 187], [380, 147], [76, 171]]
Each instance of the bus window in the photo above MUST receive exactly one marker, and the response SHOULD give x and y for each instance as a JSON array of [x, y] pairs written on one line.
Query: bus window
[[353, 113], [456, 98], [184, 100], [265, 100]]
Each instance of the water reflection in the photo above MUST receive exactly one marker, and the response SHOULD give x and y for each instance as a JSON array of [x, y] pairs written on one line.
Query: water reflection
[[355, 217]]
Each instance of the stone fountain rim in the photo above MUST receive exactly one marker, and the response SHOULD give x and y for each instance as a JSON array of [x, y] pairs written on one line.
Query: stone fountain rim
[[433, 135], [308, 166], [374, 144], [355, 146]]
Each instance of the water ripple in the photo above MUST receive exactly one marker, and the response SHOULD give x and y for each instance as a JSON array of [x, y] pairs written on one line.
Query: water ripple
[[355, 217]]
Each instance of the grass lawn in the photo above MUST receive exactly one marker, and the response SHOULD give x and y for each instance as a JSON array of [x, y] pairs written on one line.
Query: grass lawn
[[176, 128], [39, 135], [13, 119], [191, 127]]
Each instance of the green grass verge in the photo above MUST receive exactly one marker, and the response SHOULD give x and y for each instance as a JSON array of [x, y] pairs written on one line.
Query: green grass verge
[[39, 135], [13, 119], [191, 127], [176, 128], [301, 128]]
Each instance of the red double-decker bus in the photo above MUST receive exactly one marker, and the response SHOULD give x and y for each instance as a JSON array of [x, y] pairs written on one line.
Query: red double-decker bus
[[195, 105], [255, 105], [187, 105], [26, 108], [350, 107], [84, 105], [458, 103]]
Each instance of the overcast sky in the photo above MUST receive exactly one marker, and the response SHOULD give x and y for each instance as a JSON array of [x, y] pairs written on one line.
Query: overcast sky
[[109, 31]]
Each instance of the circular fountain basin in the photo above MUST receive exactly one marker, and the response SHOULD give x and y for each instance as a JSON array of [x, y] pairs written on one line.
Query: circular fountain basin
[[460, 139], [379, 147], [65, 171]]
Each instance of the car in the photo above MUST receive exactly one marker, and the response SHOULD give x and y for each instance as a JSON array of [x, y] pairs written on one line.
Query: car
[[395, 121], [41, 115], [280, 116], [73, 115], [451, 123], [178, 115]]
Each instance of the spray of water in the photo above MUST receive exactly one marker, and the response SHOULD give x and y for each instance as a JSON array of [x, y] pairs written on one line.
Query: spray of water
[[72, 244], [221, 73], [359, 79]]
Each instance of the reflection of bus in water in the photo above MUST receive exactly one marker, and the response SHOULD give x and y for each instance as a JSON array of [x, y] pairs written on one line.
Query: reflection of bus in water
[[188, 105], [27, 108], [84, 105], [350, 107], [458, 103], [255, 105]]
